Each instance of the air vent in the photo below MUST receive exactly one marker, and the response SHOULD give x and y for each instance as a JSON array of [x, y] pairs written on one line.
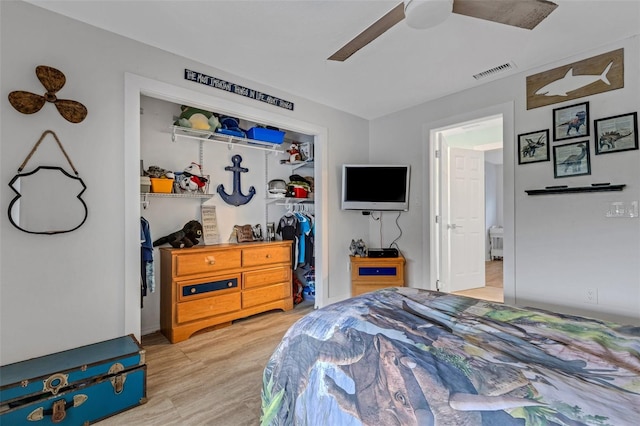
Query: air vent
[[495, 70]]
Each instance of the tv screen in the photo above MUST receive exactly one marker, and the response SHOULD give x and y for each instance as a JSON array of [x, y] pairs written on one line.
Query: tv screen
[[375, 187]]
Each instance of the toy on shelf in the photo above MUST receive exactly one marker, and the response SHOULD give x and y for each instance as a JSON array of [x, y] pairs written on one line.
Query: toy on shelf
[[191, 179], [198, 119]]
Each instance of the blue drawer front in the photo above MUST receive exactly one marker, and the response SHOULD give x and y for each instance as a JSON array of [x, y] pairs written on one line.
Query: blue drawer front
[[192, 290], [92, 361], [101, 402], [368, 271]]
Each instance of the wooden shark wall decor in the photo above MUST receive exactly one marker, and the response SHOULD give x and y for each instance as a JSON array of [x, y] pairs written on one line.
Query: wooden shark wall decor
[[576, 80]]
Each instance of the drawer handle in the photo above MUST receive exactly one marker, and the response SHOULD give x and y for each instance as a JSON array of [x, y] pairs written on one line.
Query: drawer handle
[[211, 260], [269, 256], [230, 284], [193, 290]]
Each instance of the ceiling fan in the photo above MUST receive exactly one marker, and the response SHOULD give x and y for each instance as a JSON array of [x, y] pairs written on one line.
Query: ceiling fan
[[422, 14]]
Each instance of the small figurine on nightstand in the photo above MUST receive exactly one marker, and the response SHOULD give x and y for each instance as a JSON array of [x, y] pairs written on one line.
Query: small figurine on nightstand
[[358, 248]]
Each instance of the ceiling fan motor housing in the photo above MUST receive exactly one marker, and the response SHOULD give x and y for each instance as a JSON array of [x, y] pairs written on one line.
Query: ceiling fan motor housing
[[423, 14]]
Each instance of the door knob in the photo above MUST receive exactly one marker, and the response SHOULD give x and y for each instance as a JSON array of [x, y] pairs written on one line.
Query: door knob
[[453, 226]]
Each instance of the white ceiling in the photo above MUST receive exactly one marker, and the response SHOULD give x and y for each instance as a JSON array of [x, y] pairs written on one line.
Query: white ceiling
[[284, 44]]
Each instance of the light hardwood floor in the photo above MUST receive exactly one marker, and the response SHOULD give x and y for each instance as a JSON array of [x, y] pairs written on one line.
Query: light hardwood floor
[[492, 290], [213, 378]]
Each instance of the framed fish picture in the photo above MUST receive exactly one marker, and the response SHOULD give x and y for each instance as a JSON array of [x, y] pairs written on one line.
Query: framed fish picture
[[533, 147], [616, 134], [572, 159], [571, 122]]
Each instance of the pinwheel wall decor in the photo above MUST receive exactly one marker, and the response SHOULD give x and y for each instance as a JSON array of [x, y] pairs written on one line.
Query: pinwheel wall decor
[[53, 80]]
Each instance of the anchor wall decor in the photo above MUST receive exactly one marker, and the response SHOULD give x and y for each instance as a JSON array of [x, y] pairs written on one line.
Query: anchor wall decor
[[236, 198]]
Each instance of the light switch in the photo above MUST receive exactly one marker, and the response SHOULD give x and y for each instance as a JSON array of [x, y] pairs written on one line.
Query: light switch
[[622, 209]]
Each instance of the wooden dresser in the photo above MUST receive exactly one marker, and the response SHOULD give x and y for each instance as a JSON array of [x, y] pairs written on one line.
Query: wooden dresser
[[373, 273], [206, 286]]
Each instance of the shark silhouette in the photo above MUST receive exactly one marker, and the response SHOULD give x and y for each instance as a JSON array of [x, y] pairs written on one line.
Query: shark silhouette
[[570, 82]]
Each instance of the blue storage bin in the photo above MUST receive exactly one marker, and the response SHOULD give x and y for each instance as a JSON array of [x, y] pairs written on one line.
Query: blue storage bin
[[265, 135]]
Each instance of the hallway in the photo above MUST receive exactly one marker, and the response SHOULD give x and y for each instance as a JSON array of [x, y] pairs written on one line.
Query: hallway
[[492, 290]]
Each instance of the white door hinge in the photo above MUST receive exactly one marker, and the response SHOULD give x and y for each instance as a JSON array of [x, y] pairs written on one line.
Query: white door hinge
[[437, 285], [437, 153], [437, 219]]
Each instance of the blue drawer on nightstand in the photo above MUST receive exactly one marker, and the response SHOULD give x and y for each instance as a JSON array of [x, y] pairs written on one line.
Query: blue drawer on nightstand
[[369, 271]]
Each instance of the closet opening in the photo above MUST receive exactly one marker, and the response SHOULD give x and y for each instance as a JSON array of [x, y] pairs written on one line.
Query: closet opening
[[150, 108]]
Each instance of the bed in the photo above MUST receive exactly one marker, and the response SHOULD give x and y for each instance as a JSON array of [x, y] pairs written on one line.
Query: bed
[[403, 356]]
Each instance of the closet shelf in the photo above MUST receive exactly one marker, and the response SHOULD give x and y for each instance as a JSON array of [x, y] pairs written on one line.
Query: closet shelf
[[298, 164], [287, 201], [230, 141], [577, 189], [172, 195], [144, 196]]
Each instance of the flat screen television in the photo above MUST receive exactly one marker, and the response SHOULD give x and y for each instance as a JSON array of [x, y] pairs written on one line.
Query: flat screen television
[[375, 187]]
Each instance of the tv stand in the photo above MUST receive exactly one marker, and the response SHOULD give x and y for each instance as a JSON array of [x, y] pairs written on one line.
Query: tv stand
[[370, 273]]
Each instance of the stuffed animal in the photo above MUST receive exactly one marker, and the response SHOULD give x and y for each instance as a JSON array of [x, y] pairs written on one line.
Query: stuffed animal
[[191, 179], [157, 172], [358, 248], [199, 119], [186, 237]]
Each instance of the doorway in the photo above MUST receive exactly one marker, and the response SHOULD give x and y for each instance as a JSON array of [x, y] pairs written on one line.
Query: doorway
[[468, 194]]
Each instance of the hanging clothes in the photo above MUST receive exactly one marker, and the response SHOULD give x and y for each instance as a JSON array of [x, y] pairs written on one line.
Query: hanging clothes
[[147, 279], [304, 226], [289, 229]]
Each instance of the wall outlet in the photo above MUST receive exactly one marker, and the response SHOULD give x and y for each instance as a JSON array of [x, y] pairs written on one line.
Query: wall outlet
[[591, 295]]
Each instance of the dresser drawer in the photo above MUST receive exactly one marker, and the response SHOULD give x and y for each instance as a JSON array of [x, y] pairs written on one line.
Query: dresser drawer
[[206, 262], [372, 271], [265, 294], [189, 290], [254, 256], [207, 307], [264, 277]]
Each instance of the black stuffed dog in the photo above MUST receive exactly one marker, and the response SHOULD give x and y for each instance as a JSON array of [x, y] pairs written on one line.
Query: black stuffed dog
[[186, 237]]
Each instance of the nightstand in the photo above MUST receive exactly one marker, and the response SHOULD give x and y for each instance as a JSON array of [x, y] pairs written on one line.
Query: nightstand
[[373, 273]]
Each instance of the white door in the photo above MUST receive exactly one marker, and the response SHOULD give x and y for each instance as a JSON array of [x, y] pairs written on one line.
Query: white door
[[462, 225]]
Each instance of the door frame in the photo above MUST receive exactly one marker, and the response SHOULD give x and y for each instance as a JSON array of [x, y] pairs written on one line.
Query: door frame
[[136, 86], [431, 255]]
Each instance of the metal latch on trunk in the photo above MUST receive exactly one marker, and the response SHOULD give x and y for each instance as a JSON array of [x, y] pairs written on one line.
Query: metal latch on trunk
[[58, 411], [117, 381]]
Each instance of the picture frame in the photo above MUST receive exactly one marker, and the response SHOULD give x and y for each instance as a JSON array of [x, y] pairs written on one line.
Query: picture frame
[[572, 159], [271, 231], [533, 147], [571, 122], [616, 134]]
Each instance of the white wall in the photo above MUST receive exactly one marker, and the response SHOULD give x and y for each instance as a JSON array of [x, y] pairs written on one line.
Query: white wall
[[563, 243], [63, 291]]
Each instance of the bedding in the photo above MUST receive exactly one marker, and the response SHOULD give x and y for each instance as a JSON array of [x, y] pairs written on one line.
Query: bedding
[[403, 356]]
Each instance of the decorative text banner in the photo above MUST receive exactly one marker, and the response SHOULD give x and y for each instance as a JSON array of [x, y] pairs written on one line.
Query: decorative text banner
[[236, 88]]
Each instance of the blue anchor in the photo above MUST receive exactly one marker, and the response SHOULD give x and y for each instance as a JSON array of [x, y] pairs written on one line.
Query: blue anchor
[[236, 198]]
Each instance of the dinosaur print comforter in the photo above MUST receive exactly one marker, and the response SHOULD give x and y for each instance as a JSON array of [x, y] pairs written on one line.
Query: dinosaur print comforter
[[405, 356]]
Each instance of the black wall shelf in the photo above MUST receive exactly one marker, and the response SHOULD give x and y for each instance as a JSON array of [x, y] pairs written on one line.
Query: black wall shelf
[[568, 190]]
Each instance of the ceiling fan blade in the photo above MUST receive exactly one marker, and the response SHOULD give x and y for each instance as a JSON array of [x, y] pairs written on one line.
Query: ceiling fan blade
[[367, 36], [26, 102], [518, 13], [51, 78], [72, 111]]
